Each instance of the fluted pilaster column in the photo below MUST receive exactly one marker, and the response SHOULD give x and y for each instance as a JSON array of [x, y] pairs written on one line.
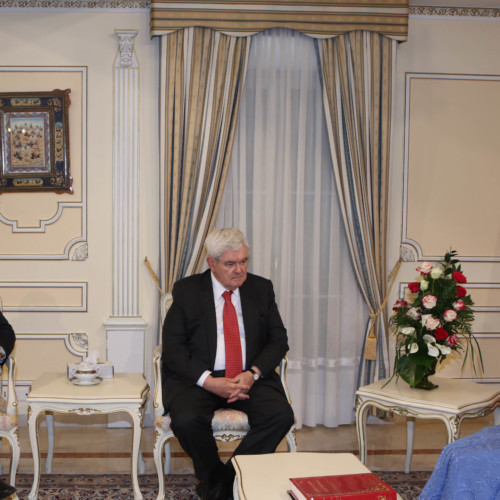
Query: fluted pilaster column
[[125, 327]]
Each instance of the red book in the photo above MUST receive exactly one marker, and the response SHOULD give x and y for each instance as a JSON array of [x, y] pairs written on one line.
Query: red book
[[365, 486]]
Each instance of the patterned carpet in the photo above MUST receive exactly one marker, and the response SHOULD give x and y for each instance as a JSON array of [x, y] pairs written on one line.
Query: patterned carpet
[[177, 486], [409, 486]]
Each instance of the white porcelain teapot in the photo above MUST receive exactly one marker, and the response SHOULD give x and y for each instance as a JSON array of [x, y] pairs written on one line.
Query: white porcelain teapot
[[85, 373]]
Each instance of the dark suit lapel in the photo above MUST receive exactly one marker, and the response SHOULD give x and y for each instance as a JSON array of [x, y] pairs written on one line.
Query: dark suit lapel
[[250, 317], [210, 320]]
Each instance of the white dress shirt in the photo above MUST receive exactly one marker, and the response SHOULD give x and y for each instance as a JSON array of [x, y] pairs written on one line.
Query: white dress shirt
[[220, 356]]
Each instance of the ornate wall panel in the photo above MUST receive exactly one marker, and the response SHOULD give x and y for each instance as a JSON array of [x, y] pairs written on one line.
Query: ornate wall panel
[[451, 158], [43, 296], [49, 226]]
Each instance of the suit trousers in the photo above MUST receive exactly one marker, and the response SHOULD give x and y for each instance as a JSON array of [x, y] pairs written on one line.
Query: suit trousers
[[269, 414]]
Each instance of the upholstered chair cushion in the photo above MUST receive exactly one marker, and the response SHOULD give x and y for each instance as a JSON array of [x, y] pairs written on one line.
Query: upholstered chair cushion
[[224, 420], [7, 422]]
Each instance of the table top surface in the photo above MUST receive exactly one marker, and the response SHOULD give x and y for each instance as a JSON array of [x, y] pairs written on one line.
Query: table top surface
[[267, 476], [55, 386], [452, 394]]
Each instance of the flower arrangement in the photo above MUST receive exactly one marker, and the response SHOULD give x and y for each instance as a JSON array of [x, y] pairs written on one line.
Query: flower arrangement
[[435, 320]]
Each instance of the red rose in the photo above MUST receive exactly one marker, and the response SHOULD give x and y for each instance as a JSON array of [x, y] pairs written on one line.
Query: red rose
[[459, 277], [440, 334], [414, 287], [399, 304], [460, 291]]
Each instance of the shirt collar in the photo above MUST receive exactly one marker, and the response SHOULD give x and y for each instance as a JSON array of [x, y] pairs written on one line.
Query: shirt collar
[[219, 289]]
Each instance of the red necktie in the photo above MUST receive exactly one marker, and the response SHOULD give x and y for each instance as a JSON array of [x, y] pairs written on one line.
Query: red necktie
[[234, 365]]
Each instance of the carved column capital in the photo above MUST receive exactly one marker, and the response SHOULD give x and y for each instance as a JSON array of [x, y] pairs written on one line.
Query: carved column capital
[[126, 40]]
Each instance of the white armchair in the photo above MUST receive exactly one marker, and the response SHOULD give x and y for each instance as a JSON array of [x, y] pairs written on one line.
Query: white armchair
[[8, 419], [228, 425]]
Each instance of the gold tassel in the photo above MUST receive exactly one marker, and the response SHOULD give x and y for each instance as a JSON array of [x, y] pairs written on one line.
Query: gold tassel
[[153, 275], [371, 340]]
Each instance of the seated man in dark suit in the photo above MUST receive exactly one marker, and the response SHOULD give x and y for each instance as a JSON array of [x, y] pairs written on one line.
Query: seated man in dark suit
[[220, 350], [7, 341]]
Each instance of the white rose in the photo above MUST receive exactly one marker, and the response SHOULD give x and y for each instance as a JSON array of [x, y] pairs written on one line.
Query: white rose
[[450, 315], [429, 301], [424, 284], [431, 323], [413, 313], [436, 272], [425, 268]]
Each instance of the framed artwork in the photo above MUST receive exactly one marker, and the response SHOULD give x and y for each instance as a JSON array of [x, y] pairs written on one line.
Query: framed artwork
[[34, 141]]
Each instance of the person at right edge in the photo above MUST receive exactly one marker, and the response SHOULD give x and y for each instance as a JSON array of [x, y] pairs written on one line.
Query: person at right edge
[[7, 341], [223, 338]]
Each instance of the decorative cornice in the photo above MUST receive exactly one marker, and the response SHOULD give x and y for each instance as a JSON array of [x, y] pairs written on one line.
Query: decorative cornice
[[75, 4], [455, 12]]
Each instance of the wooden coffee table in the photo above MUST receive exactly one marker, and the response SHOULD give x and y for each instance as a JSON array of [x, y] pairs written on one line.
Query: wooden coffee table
[[126, 392], [260, 477]]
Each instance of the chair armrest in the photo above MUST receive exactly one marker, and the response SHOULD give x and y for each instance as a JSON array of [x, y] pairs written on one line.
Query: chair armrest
[[282, 372], [158, 409], [10, 363]]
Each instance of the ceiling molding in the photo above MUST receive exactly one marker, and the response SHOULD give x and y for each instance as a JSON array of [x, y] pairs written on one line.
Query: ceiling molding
[[75, 4], [474, 12]]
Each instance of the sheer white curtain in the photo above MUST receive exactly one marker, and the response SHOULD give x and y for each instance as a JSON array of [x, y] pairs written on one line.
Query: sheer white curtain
[[280, 191]]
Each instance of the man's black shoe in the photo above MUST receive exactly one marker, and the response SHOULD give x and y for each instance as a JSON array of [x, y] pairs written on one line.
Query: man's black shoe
[[6, 490], [203, 490]]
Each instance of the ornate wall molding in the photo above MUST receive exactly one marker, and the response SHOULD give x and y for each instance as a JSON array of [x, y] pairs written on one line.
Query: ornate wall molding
[[81, 252], [471, 12], [407, 254]]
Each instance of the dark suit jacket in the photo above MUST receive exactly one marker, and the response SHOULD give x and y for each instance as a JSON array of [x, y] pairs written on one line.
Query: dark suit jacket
[[190, 332], [7, 336]]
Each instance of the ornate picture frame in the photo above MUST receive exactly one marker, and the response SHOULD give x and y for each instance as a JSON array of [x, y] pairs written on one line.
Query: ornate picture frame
[[34, 141]]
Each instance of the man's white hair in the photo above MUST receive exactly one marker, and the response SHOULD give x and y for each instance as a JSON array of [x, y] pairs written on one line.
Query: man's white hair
[[223, 240]]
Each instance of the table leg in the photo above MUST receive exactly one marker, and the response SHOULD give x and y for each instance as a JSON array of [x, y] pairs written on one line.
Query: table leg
[[32, 417], [236, 495], [361, 409], [410, 436], [49, 419], [136, 448]]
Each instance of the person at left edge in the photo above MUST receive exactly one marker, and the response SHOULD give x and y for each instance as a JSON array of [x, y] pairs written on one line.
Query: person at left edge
[[7, 341]]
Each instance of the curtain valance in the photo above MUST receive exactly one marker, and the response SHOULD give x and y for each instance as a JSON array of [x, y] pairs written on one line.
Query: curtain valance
[[317, 18]]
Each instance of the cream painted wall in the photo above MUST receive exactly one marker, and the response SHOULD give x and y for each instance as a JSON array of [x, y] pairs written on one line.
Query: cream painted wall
[[453, 46], [85, 38]]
